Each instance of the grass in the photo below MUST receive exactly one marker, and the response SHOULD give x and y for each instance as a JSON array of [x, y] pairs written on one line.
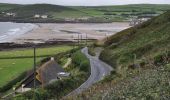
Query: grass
[[147, 84], [139, 41], [11, 68], [4, 7], [29, 52]]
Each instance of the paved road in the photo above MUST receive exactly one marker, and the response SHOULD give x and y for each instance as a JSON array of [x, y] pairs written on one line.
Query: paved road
[[99, 70]]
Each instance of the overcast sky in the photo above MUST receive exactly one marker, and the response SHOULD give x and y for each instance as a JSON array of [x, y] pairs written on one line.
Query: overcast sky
[[87, 2]]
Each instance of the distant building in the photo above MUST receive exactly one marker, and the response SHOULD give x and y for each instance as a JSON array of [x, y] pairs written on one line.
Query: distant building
[[11, 14], [36, 16], [44, 16]]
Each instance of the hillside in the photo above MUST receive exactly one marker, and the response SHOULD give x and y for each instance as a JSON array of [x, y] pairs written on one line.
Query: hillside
[[4, 7], [141, 58], [31, 10], [79, 14]]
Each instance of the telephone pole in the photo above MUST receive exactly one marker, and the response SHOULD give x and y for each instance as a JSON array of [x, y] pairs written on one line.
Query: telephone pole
[[34, 70], [86, 39]]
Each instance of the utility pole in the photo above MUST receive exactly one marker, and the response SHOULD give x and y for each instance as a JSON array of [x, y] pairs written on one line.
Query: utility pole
[[81, 38], [86, 39], [34, 70], [78, 39]]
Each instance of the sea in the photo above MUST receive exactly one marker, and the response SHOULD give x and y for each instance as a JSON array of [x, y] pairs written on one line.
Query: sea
[[10, 30]]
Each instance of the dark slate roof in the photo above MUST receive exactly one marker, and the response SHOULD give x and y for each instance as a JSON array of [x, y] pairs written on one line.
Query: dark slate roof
[[29, 81], [44, 74], [49, 71]]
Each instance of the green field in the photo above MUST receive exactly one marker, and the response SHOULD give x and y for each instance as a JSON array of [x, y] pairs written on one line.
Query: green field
[[89, 14], [39, 52], [11, 68]]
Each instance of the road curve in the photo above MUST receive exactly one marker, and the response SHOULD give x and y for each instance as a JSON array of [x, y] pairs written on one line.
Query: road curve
[[99, 70]]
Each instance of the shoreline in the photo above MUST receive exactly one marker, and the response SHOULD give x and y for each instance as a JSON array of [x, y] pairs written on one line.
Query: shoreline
[[53, 21], [13, 32], [45, 32]]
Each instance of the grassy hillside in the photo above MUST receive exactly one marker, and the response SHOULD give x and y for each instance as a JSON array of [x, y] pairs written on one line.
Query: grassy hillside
[[31, 10], [141, 58], [148, 39], [4, 7], [82, 14]]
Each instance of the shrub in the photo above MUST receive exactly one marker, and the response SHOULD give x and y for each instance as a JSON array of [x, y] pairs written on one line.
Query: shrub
[[80, 60], [91, 51]]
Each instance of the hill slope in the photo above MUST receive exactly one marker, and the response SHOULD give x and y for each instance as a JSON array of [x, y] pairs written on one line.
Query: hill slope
[[80, 14], [31, 10], [4, 7], [141, 58]]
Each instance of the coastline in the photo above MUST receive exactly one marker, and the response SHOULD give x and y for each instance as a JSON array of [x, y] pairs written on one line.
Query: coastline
[[54, 21], [13, 32], [51, 32]]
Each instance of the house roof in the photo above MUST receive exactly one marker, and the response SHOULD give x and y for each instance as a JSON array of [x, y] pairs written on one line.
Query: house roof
[[48, 72], [44, 75]]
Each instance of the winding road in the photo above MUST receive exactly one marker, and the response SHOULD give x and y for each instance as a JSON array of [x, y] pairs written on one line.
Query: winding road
[[99, 70]]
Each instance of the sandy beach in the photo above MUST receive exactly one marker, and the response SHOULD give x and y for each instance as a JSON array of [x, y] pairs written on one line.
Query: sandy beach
[[69, 32]]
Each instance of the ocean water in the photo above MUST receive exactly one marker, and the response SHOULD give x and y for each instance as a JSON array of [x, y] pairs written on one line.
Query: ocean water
[[9, 30]]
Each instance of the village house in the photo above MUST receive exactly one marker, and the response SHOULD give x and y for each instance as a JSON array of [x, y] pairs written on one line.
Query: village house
[[10, 14], [40, 16], [36, 16], [44, 16], [45, 74]]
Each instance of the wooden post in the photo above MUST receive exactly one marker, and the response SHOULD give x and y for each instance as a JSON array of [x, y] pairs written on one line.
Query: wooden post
[[34, 70], [86, 39]]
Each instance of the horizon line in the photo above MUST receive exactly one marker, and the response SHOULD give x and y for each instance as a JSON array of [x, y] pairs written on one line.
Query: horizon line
[[88, 5]]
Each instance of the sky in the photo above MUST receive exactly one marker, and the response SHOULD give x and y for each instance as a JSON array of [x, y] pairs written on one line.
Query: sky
[[87, 2]]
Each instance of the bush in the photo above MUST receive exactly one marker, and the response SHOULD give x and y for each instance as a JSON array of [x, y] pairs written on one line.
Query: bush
[[84, 66], [91, 51], [81, 61]]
